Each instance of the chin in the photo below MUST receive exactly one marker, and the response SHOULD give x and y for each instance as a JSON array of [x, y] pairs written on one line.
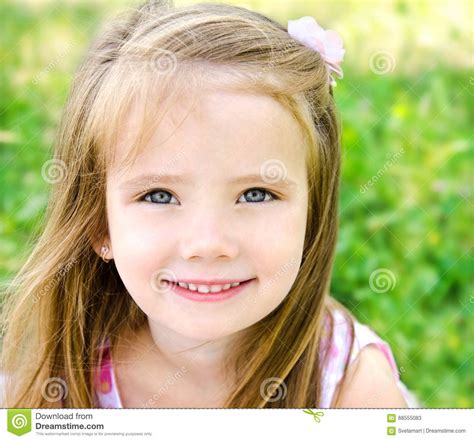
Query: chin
[[211, 331]]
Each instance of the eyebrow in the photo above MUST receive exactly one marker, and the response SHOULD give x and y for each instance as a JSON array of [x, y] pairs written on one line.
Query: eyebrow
[[148, 180]]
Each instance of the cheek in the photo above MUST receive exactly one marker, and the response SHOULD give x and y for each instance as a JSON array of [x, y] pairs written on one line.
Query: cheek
[[276, 250], [279, 237], [139, 249], [134, 268]]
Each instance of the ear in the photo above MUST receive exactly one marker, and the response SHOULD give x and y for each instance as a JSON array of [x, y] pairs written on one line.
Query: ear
[[98, 245]]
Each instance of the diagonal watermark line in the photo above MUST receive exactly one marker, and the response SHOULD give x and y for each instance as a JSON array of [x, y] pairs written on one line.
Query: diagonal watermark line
[[449, 376], [427, 290]]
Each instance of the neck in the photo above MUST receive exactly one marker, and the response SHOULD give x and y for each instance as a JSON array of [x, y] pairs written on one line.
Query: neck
[[204, 361]]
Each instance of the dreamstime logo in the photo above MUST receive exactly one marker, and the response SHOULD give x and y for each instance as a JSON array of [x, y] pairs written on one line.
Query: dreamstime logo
[[60, 274], [382, 62], [374, 399], [382, 280], [53, 64], [273, 171], [275, 59], [54, 389], [392, 159], [266, 288], [19, 421], [164, 61], [53, 171], [163, 390], [160, 280], [273, 389], [281, 272]]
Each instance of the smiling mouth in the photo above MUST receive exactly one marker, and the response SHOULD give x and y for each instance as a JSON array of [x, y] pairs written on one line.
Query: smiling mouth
[[207, 296], [207, 288]]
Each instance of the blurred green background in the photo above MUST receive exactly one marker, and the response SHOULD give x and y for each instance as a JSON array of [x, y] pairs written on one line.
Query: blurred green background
[[403, 261]]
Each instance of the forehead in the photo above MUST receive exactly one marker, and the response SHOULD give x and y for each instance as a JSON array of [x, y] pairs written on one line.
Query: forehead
[[214, 131]]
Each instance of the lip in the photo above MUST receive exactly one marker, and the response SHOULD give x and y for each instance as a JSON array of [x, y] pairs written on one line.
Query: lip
[[209, 297], [209, 281]]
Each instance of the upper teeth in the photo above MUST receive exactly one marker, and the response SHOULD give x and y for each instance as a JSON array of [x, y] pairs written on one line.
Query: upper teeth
[[207, 288]]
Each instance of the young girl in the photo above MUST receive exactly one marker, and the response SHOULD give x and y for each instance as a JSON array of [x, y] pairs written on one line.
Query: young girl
[[190, 234]]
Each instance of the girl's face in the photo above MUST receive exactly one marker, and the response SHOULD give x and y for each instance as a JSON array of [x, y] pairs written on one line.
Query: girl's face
[[211, 222]]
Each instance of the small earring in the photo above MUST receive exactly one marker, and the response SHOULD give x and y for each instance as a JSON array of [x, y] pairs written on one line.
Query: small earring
[[104, 251]]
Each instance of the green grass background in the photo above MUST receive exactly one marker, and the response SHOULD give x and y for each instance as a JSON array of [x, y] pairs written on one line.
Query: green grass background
[[406, 137]]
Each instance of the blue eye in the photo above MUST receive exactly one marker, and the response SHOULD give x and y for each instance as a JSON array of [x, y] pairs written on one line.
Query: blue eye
[[255, 192], [151, 196], [161, 197]]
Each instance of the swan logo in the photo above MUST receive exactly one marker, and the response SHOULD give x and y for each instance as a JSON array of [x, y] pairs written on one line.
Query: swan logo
[[19, 421]]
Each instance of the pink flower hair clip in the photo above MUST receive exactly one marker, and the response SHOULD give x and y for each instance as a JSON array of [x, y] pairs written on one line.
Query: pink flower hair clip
[[327, 42]]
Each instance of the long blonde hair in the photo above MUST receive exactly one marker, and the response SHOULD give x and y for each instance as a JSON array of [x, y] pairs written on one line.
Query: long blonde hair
[[65, 300]]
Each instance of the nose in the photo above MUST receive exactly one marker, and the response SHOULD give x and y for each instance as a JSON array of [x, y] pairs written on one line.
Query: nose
[[207, 235]]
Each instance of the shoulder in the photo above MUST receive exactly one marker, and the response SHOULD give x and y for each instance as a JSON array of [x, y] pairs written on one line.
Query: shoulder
[[370, 382], [360, 369]]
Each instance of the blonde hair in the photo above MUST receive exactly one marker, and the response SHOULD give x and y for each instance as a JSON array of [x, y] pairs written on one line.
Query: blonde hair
[[65, 300]]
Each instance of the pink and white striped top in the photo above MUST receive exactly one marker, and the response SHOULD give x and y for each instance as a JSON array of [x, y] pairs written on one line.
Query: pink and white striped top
[[108, 394], [338, 352]]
